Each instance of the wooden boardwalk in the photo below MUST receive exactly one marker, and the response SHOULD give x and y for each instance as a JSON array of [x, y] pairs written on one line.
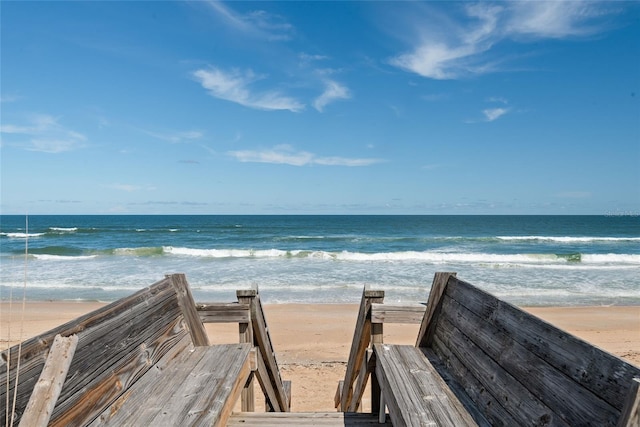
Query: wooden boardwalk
[[143, 360], [481, 361], [146, 360], [302, 419]]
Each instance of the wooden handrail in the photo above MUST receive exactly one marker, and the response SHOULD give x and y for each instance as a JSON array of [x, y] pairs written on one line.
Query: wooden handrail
[[262, 340], [349, 401], [223, 312], [249, 314]]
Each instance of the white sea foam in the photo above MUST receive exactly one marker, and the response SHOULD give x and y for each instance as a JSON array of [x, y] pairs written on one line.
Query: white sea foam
[[225, 253], [431, 257], [47, 257], [569, 239], [64, 229], [22, 235]]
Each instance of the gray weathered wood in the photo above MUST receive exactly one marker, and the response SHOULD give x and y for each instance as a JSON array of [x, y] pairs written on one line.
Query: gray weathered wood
[[262, 339], [359, 344], [631, 410], [429, 321], [223, 312], [191, 317], [397, 313], [601, 373], [507, 390], [272, 402], [246, 335], [414, 392], [126, 337], [47, 389], [504, 366], [199, 388], [361, 382], [303, 419]]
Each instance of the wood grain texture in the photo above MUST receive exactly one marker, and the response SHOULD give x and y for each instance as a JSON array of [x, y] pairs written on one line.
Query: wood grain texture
[[47, 389], [223, 312], [631, 410], [359, 344], [198, 388], [598, 371], [414, 392], [397, 313], [115, 335], [429, 321], [262, 339], [302, 419], [187, 304]]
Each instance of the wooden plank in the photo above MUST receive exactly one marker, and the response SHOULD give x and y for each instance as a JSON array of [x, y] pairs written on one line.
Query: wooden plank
[[397, 313], [507, 390], [263, 340], [187, 304], [47, 389], [361, 382], [245, 329], [338, 396], [630, 416], [113, 355], [103, 390], [427, 326], [566, 398], [270, 393], [413, 390], [122, 336], [483, 404], [603, 374], [302, 419], [223, 312], [443, 368], [359, 344], [34, 350], [198, 388]]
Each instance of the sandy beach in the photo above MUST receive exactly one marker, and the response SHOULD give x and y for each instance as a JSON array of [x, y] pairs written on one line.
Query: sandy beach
[[312, 342]]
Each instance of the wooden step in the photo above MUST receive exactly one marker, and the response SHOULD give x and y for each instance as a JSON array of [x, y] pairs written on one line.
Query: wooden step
[[279, 419]]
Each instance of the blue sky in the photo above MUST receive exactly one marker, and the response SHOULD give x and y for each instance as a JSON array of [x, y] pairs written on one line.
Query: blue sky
[[207, 107]]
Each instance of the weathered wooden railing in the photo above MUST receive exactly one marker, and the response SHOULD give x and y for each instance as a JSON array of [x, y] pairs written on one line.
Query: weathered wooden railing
[[372, 315], [249, 315], [481, 361], [142, 360]]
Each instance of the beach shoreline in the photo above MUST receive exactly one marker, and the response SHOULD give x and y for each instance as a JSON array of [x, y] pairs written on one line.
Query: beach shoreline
[[312, 341]]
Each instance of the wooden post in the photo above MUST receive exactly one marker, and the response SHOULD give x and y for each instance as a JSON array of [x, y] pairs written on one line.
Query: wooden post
[[630, 416], [359, 344], [189, 312], [246, 335], [376, 338], [438, 288], [47, 390]]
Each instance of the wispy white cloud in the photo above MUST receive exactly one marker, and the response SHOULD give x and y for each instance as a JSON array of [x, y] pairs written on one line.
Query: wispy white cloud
[[450, 49], [234, 86], [333, 91], [492, 114], [44, 133], [285, 154], [555, 19], [256, 23], [176, 137]]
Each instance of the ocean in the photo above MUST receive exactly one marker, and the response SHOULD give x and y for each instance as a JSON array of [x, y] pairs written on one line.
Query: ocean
[[526, 260]]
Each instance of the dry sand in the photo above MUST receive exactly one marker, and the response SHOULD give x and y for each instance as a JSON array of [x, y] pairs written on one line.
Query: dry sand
[[312, 342]]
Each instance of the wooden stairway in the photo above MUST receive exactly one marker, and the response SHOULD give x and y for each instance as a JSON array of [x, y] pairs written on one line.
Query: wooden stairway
[[279, 419]]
